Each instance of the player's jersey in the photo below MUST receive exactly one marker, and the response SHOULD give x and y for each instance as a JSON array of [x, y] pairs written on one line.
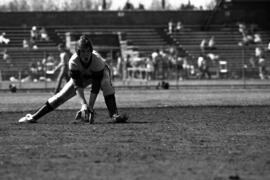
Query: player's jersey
[[82, 73]]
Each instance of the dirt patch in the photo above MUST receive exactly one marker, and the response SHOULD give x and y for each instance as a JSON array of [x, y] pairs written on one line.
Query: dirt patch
[[156, 143]]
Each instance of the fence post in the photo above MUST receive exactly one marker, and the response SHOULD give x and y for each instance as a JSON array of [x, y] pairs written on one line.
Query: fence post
[[20, 79], [0, 79], [243, 67]]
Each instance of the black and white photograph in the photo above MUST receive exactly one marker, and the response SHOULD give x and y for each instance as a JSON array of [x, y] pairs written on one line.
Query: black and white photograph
[[135, 89]]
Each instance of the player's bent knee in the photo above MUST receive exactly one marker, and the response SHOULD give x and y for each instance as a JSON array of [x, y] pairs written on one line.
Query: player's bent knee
[[107, 88]]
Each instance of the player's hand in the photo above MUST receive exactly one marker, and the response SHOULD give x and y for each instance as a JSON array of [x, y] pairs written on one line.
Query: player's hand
[[85, 114]]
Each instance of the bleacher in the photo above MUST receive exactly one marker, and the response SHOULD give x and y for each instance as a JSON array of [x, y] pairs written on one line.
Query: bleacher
[[226, 43], [18, 34], [22, 57], [144, 39]]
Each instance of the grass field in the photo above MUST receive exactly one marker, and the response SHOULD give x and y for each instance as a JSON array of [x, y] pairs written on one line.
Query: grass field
[[174, 134]]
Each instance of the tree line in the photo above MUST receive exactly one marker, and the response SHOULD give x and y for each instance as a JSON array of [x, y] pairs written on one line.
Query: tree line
[[86, 5]]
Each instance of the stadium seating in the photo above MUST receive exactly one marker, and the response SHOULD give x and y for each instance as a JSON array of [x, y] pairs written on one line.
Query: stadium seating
[[142, 38], [226, 43], [145, 39], [17, 34]]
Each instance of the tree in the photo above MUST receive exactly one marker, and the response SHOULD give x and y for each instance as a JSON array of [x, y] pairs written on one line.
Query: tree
[[17, 5], [187, 6], [160, 5], [53, 5], [212, 4]]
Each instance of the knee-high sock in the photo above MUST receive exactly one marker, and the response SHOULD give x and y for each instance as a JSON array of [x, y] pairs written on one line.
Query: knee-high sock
[[111, 104], [46, 108]]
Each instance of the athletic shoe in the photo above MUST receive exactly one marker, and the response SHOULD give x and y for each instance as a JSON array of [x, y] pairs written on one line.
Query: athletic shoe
[[92, 117], [27, 119], [119, 119]]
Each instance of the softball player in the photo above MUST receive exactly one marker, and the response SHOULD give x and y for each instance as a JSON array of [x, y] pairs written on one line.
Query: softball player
[[86, 67]]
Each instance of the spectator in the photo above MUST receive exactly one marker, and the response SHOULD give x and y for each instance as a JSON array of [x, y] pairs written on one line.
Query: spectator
[[25, 43], [118, 64], [150, 68], [7, 58], [50, 63], [128, 6], [211, 43], [170, 27], [164, 65], [12, 88], [213, 57], [179, 26], [247, 34], [32, 44], [34, 35], [203, 66], [128, 65], [203, 46], [261, 62], [43, 34], [40, 71], [242, 28], [257, 38], [3, 39], [179, 68], [33, 71], [155, 54]]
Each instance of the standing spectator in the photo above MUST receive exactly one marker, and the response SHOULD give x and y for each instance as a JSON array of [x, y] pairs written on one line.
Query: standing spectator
[[170, 27], [203, 46], [3, 39], [34, 33], [119, 63], [203, 65], [261, 62], [126, 65], [165, 65], [179, 68], [33, 71], [65, 55], [150, 68], [211, 43]]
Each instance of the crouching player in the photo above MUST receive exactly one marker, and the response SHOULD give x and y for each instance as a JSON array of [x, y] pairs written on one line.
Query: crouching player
[[86, 67]]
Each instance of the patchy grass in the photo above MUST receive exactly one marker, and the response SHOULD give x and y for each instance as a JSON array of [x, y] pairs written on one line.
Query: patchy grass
[[157, 143]]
